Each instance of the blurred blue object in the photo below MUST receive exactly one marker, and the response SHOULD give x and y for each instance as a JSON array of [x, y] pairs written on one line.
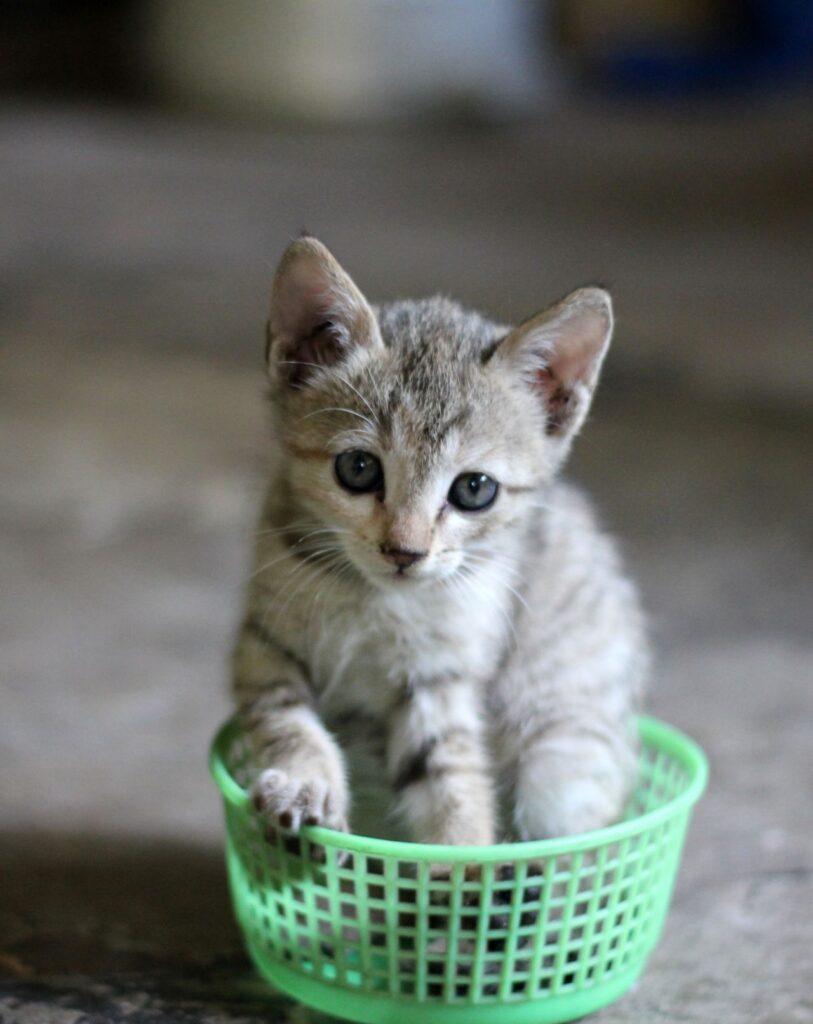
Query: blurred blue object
[[767, 42]]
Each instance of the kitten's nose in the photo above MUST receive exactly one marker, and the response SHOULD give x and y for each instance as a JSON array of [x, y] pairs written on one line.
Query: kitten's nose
[[403, 559]]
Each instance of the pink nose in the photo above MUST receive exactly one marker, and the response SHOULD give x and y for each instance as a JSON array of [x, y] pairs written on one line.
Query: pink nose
[[403, 559]]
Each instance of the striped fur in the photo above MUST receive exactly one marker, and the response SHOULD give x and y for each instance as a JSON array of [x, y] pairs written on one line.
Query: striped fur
[[488, 689]]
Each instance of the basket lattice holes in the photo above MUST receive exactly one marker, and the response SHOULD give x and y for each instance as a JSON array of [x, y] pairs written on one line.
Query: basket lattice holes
[[519, 923]]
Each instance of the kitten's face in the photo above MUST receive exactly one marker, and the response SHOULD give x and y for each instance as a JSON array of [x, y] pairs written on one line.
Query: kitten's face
[[428, 465], [417, 436]]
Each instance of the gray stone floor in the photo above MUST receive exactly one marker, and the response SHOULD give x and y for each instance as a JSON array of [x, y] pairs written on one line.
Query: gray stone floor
[[133, 280]]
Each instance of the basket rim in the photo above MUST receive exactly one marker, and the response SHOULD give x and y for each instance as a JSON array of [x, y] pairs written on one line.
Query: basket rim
[[652, 730]]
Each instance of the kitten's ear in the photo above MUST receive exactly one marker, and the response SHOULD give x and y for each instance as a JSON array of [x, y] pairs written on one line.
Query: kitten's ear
[[318, 316], [559, 353]]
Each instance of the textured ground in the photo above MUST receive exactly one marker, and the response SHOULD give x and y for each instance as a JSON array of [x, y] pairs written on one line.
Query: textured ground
[[133, 279]]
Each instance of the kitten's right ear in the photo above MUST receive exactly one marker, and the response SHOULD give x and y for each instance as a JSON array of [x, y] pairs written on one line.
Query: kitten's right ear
[[318, 316]]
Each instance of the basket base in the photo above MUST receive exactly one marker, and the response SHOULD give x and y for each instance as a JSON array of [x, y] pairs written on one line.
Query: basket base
[[374, 1009]]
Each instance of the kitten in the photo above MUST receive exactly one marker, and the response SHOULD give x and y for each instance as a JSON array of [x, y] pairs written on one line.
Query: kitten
[[427, 597]]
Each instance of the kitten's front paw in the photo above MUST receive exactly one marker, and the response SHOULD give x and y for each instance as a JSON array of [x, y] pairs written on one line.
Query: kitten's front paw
[[293, 802]]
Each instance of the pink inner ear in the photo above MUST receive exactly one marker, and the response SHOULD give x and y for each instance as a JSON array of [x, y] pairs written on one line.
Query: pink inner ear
[[302, 317], [571, 366], [302, 308], [556, 396], [573, 360], [560, 352], [322, 347], [317, 314]]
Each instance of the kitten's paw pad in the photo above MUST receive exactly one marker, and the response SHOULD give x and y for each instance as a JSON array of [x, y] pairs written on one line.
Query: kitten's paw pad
[[292, 802]]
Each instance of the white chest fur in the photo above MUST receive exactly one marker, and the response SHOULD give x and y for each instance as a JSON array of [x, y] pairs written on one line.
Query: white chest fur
[[361, 649]]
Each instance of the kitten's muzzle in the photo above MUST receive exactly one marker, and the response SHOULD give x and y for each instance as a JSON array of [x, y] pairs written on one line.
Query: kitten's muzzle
[[401, 557]]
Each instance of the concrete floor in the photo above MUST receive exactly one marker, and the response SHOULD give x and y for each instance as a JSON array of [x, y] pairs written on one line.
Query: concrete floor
[[135, 276]]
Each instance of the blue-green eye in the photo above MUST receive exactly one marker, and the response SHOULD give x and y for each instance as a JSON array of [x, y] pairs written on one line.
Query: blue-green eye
[[472, 492], [359, 472]]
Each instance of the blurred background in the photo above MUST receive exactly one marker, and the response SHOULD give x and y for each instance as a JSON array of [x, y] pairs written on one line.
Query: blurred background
[[155, 159]]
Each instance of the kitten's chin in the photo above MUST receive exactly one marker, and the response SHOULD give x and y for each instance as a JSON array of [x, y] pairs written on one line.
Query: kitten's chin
[[392, 580]]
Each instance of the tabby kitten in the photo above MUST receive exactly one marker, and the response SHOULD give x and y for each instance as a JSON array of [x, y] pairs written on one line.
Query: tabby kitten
[[428, 601]]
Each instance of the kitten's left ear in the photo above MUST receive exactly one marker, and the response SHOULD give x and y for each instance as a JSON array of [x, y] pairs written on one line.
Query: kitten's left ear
[[559, 353]]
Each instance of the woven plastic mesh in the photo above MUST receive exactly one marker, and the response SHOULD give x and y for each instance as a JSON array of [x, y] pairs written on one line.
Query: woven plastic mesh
[[481, 931]]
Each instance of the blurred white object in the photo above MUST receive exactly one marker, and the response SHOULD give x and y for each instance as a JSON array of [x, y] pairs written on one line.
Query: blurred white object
[[342, 60]]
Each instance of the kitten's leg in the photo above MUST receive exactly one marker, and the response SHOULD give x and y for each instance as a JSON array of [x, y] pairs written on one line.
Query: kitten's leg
[[438, 765], [573, 774], [565, 702], [302, 775]]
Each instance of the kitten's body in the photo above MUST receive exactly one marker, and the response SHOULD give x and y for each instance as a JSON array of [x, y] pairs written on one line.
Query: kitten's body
[[509, 662]]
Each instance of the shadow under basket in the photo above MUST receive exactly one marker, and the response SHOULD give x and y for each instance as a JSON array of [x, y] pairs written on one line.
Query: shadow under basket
[[379, 931]]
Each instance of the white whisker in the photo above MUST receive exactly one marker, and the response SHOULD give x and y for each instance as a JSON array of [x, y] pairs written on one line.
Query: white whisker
[[333, 373], [338, 408], [474, 582], [501, 562], [296, 524], [289, 553], [310, 563]]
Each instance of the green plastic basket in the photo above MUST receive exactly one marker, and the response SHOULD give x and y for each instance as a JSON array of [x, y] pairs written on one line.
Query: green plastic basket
[[544, 931]]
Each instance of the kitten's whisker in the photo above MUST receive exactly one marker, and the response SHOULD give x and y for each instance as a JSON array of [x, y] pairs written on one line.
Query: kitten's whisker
[[269, 565], [338, 668], [338, 408], [289, 553], [297, 524], [308, 569], [495, 560], [329, 568], [293, 550], [517, 595], [299, 566], [475, 584], [373, 413], [343, 440], [540, 504], [491, 556], [334, 576], [375, 385], [310, 553], [327, 584], [313, 533], [308, 573], [338, 376], [509, 587]]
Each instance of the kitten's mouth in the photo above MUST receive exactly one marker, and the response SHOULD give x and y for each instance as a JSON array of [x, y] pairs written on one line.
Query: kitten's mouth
[[401, 578], [416, 575]]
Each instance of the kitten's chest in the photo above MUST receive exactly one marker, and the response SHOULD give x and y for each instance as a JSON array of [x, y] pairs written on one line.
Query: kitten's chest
[[364, 655]]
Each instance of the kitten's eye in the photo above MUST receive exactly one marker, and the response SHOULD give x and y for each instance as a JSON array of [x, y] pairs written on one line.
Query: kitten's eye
[[359, 472], [473, 491]]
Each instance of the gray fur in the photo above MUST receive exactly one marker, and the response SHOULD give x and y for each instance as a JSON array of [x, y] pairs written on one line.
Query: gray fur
[[493, 681]]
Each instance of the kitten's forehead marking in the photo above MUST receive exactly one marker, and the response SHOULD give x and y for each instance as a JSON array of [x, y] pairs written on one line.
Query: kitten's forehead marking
[[430, 429], [427, 399]]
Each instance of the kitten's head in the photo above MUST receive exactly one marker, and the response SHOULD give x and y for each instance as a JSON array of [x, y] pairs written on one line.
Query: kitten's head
[[419, 434]]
